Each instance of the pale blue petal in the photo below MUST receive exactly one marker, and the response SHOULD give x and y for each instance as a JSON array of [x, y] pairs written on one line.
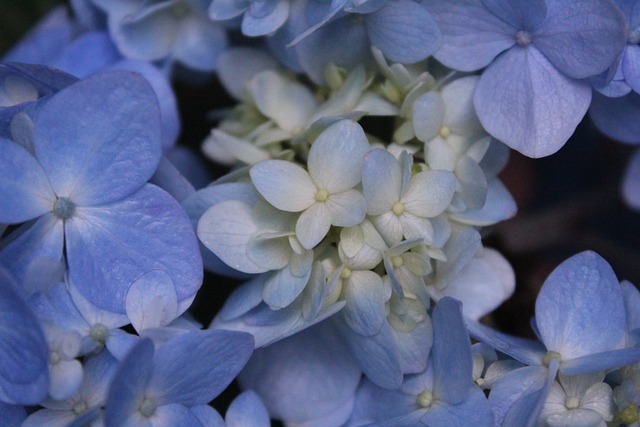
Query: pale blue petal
[[284, 184], [526, 351], [404, 31], [522, 14], [237, 65], [260, 22], [375, 403], [45, 417], [499, 206], [247, 410], [617, 117], [169, 115], [601, 361], [451, 352], [313, 225], [24, 371], [31, 243], [283, 287], [25, 190], [581, 38], [221, 10], [343, 41], [429, 193], [129, 384], [319, 379], [45, 40], [414, 347], [631, 66], [526, 411], [471, 35], [145, 32], [381, 181], [243, 299], [194, 367], [428, 115], [171, 180], [347, 209], [55, 305], [522, 100], [514, 386], [208, 416], [337, 156], [127, 234], [579, 310], [151, 301], [226, 229], [474, 411], [66, 376], [364, 312], [631, 182], [287, 102], [87, 54], [174, 415], [199, 43], [106, 145]]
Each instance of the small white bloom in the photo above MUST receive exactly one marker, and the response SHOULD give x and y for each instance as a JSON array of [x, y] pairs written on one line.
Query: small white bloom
[[325, 193], [399, 203]]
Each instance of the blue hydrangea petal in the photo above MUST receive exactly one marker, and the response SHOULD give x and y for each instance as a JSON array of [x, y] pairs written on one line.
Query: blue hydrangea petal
[[545, 112], [365, 295], [524, 350], [581, 38], [631, 66], [247, 410], [318, 380], [600, 361], [173, 415], [617, 117], [221, 10], [208, 416], [513, 386], [99, 140], [579, 310], [87, 54], [41, 240], [474, 411], [194, 367], [169, 116], [264, 17], [45, 40], [24, 354], [471, 35], [451, 352], [26, 193], [144, 232], [526, 410], [148, 33], [377, 355], [13, 415], [200, 42], [404, 31], [343, 42], [522, 14], [129, 384]]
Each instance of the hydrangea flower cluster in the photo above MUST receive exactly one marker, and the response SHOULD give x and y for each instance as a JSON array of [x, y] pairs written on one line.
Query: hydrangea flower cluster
[[363, 155]]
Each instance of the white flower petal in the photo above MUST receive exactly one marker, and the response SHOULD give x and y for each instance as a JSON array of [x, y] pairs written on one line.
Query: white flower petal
[[313, 225], [285, 185], [347, 208], [337, 156], [429, 193], [381, 181]]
